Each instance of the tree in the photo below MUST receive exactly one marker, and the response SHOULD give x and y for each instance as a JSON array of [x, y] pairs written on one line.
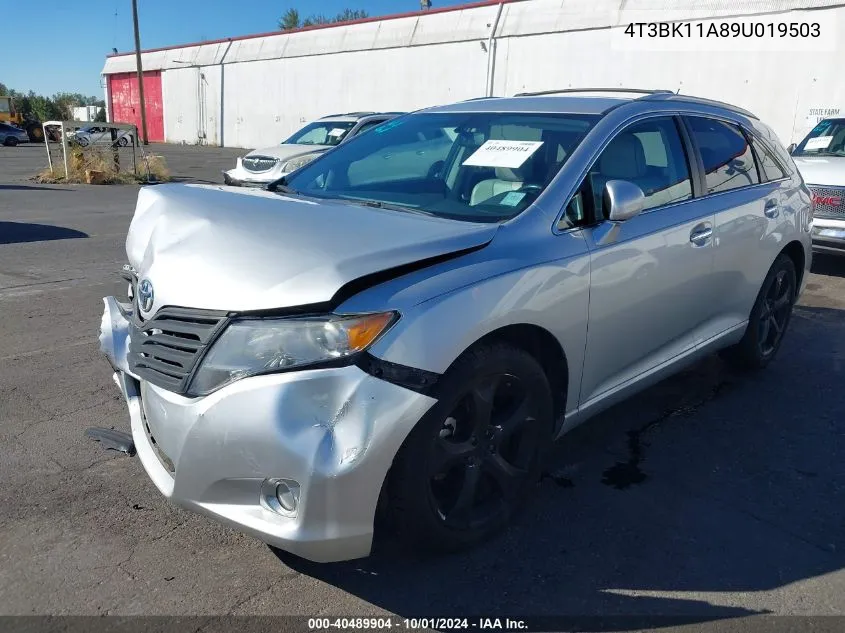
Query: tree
[[291, 18], [40, 108], [351, 14]]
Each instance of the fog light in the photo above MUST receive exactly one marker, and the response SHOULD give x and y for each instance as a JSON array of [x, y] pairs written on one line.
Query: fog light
[[280, 496]]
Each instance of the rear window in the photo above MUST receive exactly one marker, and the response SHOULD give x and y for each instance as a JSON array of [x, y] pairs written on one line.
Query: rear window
[[770, 167], [726, 154]]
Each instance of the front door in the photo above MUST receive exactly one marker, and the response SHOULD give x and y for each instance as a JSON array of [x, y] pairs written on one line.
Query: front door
[[651, 275]]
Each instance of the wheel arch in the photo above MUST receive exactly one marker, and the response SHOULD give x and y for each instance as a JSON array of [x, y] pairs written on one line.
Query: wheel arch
[[546, 350], [795, 251]]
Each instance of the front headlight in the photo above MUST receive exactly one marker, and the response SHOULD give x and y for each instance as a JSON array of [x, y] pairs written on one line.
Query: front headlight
[[300, 161], [258, 346]]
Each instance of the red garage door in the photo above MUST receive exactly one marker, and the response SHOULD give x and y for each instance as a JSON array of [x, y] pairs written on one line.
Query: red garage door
[[126, 102]]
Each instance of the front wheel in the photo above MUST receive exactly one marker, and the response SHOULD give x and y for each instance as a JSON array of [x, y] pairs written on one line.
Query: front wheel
[[769, 318], [11, 141], [470, 463]]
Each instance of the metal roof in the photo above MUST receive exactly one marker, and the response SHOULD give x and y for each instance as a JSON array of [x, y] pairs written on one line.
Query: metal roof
[[460, 23], [580, 101], [543, 103]]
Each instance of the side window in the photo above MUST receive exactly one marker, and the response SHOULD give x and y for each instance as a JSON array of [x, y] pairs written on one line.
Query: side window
[[649, 154], [770, 168], [726, 154]]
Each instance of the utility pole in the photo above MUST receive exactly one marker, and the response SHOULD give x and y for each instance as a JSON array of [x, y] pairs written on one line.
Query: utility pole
[[140, 73]]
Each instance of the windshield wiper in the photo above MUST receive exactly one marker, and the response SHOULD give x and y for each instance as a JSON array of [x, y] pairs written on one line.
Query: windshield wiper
[[378, 204], [279, 186]]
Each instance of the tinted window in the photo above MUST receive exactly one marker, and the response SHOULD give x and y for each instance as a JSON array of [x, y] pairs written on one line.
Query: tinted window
[[650, 155], [770, 168], [726, 154]]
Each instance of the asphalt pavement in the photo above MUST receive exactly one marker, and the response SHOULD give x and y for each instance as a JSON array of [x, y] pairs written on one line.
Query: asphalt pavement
[[711, 495]]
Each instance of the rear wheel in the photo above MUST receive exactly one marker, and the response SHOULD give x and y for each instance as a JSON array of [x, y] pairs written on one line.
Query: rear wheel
[[123, 141], [769, 318], [35, 132], [470, 463]]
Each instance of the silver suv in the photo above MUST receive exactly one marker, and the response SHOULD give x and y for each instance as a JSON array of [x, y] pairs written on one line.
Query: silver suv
[[409, 321]]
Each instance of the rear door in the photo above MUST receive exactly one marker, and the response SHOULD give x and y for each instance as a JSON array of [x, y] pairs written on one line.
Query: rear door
[[650, 282], [747, 203]]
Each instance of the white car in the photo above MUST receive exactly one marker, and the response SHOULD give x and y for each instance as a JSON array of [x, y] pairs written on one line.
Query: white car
[[820, 158], [262, 166], [94, 135]]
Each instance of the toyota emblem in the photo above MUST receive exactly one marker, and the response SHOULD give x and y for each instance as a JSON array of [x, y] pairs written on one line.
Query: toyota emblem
[[145, 295]]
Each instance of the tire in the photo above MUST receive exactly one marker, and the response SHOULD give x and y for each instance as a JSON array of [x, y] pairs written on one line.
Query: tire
[[123, 141], [35, 133], [11, 141], [467, 467], [82, 142], [769, 318]]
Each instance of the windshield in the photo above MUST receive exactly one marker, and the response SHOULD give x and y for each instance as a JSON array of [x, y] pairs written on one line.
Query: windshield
[[321, 133], [826, 139], [481, 167]]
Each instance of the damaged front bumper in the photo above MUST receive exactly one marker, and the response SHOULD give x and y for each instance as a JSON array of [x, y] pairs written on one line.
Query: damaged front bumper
[[329, 434]]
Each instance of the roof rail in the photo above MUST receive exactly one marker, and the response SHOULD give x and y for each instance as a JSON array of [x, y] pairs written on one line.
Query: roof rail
[[576, 90], [329, 116], [702, 101]]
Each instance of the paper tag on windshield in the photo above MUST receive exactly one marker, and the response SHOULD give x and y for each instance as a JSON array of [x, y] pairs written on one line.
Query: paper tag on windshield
[[820, 142], [338, 131], [512, 198], [503, 154]]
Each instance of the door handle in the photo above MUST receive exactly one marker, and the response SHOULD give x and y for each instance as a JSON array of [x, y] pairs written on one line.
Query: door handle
[[771, 209], [701, 234]]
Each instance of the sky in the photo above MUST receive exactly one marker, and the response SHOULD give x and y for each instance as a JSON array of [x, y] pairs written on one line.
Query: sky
[[68, 50]]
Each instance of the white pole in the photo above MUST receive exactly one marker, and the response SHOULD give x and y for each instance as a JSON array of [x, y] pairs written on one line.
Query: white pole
[[47, 145], [64, 147], [491, 52]]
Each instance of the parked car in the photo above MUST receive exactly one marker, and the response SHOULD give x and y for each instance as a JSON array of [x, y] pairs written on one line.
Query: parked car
[[262, 166], [820, 158], [96, 135], [11, 135], [412, 334]]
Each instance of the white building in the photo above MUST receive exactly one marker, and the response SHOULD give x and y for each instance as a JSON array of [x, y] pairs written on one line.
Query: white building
[[86, 113], [255, 90]]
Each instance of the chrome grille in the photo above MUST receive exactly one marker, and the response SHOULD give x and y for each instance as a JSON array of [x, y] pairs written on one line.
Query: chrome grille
[[829, 201], [258, 164], [165, 349]]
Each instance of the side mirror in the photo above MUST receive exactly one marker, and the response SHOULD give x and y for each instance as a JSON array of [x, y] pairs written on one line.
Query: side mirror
[[791, 148], [623, 200]]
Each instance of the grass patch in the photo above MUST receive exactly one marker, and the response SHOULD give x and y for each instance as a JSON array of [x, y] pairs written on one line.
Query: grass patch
[[95, 166]]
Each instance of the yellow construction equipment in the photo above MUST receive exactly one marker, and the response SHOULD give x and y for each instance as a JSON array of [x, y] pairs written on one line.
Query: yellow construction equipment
[[8, 114]]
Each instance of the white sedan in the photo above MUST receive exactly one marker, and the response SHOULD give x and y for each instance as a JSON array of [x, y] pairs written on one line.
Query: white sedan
[[94, 135], [262, 166]]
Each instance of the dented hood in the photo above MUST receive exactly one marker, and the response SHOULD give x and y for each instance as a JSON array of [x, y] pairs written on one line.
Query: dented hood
[[228, 248]]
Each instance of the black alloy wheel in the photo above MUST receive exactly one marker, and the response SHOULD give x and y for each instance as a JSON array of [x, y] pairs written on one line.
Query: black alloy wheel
[[482, 455], [471, 462], [774, 315]]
